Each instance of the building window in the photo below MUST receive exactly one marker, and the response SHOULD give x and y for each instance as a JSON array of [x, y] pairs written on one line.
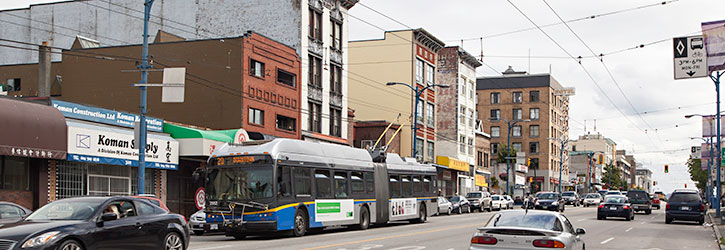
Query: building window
[[518, 114], [534, 131], [419, 149], [471, 89], [463, 86], [335, 122], [533, 147], [494, 148], [470, 146], [315, 25], [430, 74], [336, 35], [479, 158], [430, 151], [495, 98], [419, 71], [462, 144], [495, 131], [286, 78], [315, 71], [534, 96], [430, 115], [315, 119], [517, 146], [495, 114], [471, 114], [485, 159], [516, 131], [462, 116], [13, 84], [419, 111], [286, 123], [14, 173], [256, 68], [256, 116], [335, 78], [534, 113], [517, 97]]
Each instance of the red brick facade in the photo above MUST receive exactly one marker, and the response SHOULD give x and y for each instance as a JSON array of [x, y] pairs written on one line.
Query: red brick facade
[[23, 198]]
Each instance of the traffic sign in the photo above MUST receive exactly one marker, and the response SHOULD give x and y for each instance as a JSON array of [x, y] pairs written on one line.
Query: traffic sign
[[690, 58]]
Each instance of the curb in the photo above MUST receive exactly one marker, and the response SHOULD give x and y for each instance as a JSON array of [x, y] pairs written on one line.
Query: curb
[[715, 228]]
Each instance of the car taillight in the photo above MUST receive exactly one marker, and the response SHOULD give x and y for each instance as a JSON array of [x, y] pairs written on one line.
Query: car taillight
[[668, 206], [601, 206], [484, 240], [647, 203], [626, 207], [548, 244], [702, 207]]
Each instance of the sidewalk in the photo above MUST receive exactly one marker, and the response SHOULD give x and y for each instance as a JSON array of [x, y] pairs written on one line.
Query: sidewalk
[[717, 226]]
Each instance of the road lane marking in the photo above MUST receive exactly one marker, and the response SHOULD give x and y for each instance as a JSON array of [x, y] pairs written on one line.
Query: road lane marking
[[628, 229], [582, 219], [218, 247], [391, 237], [642, 223], [607, 240]]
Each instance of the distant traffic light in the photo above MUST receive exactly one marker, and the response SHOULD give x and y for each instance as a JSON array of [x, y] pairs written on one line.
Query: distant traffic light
[[601, 159], [667, 168], [528, 162], [654, 183], [685, 185]]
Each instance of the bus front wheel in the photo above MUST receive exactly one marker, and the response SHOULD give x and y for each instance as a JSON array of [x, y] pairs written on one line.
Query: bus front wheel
[[300, 227], [422, 215]]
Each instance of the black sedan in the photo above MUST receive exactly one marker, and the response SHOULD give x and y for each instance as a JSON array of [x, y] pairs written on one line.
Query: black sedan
[[460, 204], [615, 206], [97, 223], [549, 201]]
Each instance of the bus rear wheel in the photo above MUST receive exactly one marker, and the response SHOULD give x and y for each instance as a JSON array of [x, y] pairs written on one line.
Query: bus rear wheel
[[422, 215], [300, 227], [364, 219]]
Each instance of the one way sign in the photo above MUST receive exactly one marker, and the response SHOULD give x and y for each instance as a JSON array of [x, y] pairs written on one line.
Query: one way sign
[[690, 57]]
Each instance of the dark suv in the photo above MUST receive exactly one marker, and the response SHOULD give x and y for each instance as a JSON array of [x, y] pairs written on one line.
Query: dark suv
[[685, 205], [479, 200], [640, 201]]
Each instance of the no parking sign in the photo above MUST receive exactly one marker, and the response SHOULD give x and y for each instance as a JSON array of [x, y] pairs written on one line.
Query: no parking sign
[[200, 198]]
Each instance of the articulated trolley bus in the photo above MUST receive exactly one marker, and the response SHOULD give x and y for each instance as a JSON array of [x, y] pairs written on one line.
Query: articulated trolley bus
[[294, 185]]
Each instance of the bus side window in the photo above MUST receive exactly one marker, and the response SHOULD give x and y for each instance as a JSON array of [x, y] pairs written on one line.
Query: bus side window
[[358, 185], [405, 180], [417, 188], [322, 184], [394, 186], [427, 184], [283, 181], [369, 182], [302, 184], [340, 184]]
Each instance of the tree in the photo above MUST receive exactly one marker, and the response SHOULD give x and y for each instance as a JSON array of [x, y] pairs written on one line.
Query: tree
[[697, 174], [616, 177], [503, 152]]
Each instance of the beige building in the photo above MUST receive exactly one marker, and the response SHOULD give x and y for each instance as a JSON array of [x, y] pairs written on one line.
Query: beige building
[[538, 104], [405, 56]]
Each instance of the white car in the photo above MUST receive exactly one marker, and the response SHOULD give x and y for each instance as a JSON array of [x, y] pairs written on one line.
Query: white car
[[592, 199], [530, 229], [498, 202], [509, 202], [198, 223], [444, 206]]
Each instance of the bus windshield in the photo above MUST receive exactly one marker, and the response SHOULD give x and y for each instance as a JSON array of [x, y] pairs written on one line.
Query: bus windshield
[[240, 183]]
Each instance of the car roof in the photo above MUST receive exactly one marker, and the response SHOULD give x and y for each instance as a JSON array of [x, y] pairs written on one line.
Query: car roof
[[616, 196], [685, 191]]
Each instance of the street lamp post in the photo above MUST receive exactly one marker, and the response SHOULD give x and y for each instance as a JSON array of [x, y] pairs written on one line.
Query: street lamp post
[[510, 124], [561, 157], [417, 92]]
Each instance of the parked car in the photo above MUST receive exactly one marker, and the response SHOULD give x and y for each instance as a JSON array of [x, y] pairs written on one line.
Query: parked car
[[549, 201], [153, 199], [640, 201], [479, 200], [685, 205], [509, 202], [571, 198], [460, 204], [498, 202], [615, 206], [444, 206], [592, 199], [655, 201], [11, 212], [528, 230], [99, 223]]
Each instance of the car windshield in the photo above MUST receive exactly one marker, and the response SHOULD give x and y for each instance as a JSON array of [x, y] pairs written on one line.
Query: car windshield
[[547, 196], [616, 200], [567, 194], [539, 221], [473, 195], [592, 196], [454, 199], [495, 198], [613, 192], [240, 183], [637, 195], [685, 197], [65, 210]]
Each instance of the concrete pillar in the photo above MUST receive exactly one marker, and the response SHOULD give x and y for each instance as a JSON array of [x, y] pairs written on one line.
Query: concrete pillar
[[44, 81]]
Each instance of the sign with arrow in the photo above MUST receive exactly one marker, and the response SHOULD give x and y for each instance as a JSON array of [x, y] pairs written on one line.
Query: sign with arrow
[[690, 57]]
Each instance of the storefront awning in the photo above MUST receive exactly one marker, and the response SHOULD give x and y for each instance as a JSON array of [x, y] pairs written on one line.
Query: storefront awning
[[31, 130], [199, 142]]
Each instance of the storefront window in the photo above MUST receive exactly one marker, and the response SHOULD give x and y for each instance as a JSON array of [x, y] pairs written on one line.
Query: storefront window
[[14, 173]]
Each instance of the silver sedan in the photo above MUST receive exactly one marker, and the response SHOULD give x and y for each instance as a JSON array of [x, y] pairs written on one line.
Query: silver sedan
[[444, 206], [527, 229]]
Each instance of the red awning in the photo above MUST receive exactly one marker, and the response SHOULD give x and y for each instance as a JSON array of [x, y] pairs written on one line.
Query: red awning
[[32, 130]]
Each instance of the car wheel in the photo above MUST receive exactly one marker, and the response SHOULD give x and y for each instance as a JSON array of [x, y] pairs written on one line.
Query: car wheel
[[70, 245], [449, 211], [173, 242], [239, 236], [198, 232], [300, 227], [468, 210], [648, 211], [460, 210], [629, 218], [364, 219], [668, 220], [702, 221], [599, 217]]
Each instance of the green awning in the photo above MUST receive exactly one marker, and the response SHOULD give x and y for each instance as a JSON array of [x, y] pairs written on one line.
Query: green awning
[[180, 132]]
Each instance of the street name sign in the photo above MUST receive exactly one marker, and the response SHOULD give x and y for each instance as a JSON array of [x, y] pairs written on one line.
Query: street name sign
[[690, 58]]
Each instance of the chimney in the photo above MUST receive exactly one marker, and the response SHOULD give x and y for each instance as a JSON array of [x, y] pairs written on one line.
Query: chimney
[[44, 81]]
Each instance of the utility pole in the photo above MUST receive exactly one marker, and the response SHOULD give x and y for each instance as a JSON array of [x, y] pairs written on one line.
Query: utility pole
[[716, 78], [144, 80]]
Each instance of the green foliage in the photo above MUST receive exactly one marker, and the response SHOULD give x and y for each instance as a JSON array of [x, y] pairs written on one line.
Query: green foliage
[[617, 182], [503, 152], [493, 182], [697, 175]]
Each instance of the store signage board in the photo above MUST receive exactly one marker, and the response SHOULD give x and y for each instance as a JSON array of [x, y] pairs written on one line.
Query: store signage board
[[714, 35], [106, 116], [690, 60]]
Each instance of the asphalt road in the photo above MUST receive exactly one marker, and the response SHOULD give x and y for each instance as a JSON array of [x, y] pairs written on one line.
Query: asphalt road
[[454, 232]]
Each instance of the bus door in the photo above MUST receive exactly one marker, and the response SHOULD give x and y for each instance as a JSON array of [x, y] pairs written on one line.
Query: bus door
[[382, 194]]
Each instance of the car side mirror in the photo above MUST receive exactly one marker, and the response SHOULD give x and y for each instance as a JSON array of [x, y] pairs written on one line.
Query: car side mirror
[[581, 231], [108, 217]]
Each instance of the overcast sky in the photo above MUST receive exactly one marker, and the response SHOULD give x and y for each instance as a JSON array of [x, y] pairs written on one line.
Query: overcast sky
[[645, 75]]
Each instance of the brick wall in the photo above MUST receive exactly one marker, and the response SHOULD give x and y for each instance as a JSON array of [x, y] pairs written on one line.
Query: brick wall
[[23, 198]]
